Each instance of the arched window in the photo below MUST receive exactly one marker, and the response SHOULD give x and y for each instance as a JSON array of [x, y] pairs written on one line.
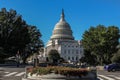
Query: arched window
[[76, 58], [68, 58]]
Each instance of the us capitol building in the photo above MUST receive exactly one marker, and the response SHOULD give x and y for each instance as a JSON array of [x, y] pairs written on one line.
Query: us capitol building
[[63, 41]]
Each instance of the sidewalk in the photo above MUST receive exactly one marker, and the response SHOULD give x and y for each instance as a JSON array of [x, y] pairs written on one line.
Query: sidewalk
[[12, 65], [1, 69], [100, 67]]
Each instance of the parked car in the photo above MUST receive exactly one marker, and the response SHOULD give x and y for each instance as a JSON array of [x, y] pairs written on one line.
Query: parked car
[[112, 67]]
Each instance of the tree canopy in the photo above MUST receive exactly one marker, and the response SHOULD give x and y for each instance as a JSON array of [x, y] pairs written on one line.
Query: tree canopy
[[16, 35], [53, 56], [116, 57], [101, 42]]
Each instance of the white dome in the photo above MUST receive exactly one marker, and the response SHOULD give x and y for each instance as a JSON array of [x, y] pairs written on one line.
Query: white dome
[[62, 30]]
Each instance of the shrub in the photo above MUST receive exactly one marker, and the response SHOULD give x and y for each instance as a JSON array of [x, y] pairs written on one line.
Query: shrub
[[67, 71]]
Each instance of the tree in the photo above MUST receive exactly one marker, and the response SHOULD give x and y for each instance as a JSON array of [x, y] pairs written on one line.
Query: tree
[[2, 55], [53, 56], [88, 58], [16, 35], [116, 57], [101, 42], [35, 43]]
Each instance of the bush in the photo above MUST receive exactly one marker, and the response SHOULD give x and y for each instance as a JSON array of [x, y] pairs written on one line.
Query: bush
[[67, 71]]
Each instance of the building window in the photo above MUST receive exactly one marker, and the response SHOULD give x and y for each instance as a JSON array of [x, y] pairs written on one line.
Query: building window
[[72, 50], [76, 51], [76, 58], [80, 51], [68, 51], [73, 58], [64, 51], [68, 58]]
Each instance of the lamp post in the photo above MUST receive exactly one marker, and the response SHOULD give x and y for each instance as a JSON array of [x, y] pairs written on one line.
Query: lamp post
[[18, 58]]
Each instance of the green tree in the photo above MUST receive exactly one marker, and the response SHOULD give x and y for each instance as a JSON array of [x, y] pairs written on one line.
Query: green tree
[[35, 43], [13, 32], [101, 42], [16, 35], [88, 58], [2, 55], [53, 56], [116, 57]]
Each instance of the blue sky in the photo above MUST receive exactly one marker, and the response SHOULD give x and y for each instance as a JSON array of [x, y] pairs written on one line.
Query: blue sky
[[80, 14]]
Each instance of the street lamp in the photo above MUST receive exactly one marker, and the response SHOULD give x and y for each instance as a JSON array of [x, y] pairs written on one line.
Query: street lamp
[[18, 58]]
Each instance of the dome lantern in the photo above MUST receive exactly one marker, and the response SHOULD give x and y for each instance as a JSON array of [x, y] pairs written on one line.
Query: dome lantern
[[62, 16]]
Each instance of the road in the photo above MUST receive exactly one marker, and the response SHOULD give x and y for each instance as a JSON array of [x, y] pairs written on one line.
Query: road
[[13, 73], [104, 75]]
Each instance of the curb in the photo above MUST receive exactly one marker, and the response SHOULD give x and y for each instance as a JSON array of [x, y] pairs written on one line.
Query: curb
[[29, 79]]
